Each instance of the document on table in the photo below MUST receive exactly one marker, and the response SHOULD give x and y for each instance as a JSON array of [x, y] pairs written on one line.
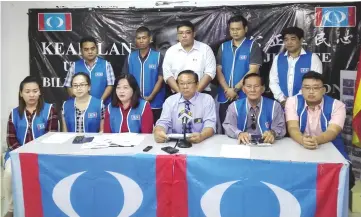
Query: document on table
[[58, 138], [177, 135], [236, 151], [115, 140]]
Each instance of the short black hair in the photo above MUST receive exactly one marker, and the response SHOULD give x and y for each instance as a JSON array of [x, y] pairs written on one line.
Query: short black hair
[[293, 30], [86, 75], [87, 39], [134, 101], [238, 18], [253, 75], [22, 103], [313, 75], [189, 72], [186, 23], [143, 29]]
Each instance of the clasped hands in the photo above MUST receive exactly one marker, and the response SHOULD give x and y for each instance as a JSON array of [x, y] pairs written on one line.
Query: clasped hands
[[245, 138], [161, 137]]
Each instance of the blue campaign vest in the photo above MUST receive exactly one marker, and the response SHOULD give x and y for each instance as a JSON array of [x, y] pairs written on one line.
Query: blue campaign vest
[[38, 126], [146, 75], [264, 119], [234, 66], [98, 76], [303, 65], [324, 119], [92, 115], [134, 118]]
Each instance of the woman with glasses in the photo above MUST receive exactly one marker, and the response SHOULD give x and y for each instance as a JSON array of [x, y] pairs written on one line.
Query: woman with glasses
[[128, 112], [84, 113], [30, 120]]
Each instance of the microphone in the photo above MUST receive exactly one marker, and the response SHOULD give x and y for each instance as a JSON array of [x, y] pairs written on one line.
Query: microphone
[[185, 116]]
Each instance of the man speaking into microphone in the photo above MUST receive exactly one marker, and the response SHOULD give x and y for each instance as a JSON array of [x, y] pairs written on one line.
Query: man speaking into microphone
[[196, 110]]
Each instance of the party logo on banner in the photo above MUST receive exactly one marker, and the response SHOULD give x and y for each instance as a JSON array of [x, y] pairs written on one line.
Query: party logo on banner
[[335, 16], [54, 22]]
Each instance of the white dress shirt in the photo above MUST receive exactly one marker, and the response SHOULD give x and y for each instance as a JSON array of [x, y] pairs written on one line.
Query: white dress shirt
[[316, 65], [199, 59]]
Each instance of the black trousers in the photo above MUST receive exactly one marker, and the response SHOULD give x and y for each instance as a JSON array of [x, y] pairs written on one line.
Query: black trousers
[[156, 114], [223, 112]]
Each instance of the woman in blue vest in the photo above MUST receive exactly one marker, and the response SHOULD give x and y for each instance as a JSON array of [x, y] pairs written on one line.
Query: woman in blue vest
[[84, 113], [30, 120], [128, 112]]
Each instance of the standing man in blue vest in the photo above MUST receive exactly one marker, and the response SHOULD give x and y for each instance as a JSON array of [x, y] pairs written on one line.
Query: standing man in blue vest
[[99, 70], [235, 59], [289, 67], [146, 66], [255, 115], [314, 119]]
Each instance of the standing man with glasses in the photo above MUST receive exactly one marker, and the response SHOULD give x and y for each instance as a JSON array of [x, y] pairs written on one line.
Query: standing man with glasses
[[99, 70], [289, 67], [189, 54], [314, 119], [202, 107], [255, 115], [235, 59]]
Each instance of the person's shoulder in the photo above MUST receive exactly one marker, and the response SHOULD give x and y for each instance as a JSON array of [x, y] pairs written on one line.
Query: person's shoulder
[[173, 98], [202, 45], [206, 97]]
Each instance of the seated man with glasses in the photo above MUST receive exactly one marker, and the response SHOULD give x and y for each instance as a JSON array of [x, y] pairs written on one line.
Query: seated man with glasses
[[314, 118], [255, 115], [202, 124]]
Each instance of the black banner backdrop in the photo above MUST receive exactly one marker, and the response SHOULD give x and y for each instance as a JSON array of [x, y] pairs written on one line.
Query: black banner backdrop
[[51, 52]]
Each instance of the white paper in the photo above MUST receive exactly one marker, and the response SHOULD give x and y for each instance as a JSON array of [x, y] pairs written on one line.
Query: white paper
[[178, 136], [259, 144], [58, 138], [127, 139], [236, 151]]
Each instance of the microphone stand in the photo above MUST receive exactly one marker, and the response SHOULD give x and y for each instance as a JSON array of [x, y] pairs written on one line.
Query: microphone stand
[[183, 143]]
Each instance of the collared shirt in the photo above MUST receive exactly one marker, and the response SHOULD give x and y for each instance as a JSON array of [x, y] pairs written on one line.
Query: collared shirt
[[203, 111], [52, 126], [109, 73], [200, 59], [255, 57], [313, 125], [125, 69], [231, 121], [274, 84]]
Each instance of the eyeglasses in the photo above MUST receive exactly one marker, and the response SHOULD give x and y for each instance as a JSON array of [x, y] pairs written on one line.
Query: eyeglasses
[[186, 32], [250, 87], [76, 86], [184, 84], [314, 89], [253, 118]]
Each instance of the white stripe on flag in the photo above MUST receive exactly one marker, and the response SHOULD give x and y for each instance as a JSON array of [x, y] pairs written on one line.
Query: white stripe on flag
[[342, 196], [17, 185]]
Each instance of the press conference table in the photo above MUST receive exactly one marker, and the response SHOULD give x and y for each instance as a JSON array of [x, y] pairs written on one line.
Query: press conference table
[[194, 163]]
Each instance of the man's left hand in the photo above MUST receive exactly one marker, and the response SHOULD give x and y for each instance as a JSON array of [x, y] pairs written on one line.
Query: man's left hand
[[195, 138], [149, 98], [268, 137]]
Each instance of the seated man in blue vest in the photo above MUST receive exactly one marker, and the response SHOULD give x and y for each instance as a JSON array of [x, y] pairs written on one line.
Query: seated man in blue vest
[[255, 115], [99, 70], [146, 66], [289, 67], [201, 106], [235, 59], [314, 118]]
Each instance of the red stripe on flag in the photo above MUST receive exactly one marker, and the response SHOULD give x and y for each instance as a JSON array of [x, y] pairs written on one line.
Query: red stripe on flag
[[164, 181], [41, 21], [180, 187], [68, 21], [327, 189], [318, 16], [31, 185], [351, 16]]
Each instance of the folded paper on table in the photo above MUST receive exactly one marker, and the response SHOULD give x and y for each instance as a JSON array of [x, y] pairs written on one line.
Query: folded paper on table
[[57, 138], [178, 135], [236, 151]]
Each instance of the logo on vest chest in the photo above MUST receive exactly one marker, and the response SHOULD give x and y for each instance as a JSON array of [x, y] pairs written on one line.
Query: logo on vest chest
[[242, 57], [92, 115], [40, 126], [135, 117], [152, 66], [99, 74], [304, 70], [267, 124]]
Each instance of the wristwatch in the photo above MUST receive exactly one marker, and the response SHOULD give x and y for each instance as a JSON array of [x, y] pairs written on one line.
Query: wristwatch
[[236, 89]]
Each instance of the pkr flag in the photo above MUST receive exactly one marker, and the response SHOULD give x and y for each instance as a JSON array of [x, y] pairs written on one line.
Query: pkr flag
[[356, 120], [54, 22]]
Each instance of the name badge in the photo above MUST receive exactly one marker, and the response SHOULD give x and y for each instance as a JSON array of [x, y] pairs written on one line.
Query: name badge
[[152, 66], [92, 115], [305, 70], [198, 120], [40, 126], [99, 74], [242, 57], [135, 117]]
